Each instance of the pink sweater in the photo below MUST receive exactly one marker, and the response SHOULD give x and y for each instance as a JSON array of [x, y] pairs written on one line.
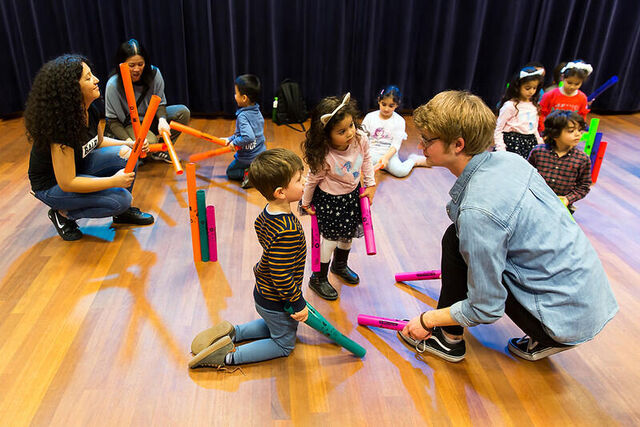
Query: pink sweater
[[342, 170], [523, 120]]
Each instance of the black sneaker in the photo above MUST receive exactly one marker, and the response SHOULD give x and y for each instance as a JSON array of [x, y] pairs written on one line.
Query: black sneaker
[[245, 180], [531, 350], [438, 346], [161, 156], [133, 216], [66, 228]]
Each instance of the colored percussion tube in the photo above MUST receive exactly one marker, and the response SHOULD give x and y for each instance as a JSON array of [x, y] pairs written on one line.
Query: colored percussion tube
[[381, 322], [211, 232], [320, 324], [157, 147], [418, 275], [598, 162], [613, 80], [140, 137], [588, 137], [594, 149], [193, 210], [369, 238], [172, 153], [125, 75], [212, 153], [202, 225], [315, 243], [195, 132]]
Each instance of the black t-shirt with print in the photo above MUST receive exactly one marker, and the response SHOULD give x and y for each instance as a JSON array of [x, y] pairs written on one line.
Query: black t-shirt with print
[[41, 172]]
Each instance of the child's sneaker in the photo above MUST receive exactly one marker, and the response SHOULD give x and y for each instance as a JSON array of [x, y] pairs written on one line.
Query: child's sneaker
[[66, 228], [207, 337], [245, 180], [531, 350], [438, 346], [214, 355], [161, 156]]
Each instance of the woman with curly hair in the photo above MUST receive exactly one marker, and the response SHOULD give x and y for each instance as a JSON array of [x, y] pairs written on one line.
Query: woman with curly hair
[[147, 81], [73, 169]]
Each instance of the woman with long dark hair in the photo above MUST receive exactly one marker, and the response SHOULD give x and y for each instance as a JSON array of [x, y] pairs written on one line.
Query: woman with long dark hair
[[73, 169], [147, 81]]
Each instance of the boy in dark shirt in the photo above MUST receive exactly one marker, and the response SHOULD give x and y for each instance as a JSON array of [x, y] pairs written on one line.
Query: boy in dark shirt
[[277, 174]]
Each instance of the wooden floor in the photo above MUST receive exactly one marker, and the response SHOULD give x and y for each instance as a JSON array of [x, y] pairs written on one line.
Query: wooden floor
[[97, 332]]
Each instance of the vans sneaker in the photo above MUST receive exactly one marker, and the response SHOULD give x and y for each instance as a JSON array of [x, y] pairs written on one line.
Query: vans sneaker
[[531, 350], [438, 346]]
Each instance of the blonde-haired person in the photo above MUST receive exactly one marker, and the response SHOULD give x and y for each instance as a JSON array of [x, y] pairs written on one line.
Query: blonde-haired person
[[499, 256]]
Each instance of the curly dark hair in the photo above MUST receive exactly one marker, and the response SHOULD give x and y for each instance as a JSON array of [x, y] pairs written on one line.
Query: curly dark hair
[[318, 138], [512, 93], [55, 110], [555, 122]]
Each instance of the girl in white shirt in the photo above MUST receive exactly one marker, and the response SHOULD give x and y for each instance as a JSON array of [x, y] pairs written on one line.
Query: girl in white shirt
[[517, 125], [386, 130]]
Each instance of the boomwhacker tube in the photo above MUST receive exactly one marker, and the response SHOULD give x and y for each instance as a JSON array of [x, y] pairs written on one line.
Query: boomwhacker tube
[[157, 147], [369, 238], [211, 232], [381, 322], [172, 153], [594, 149], [315, 243], [588, 137], [193, 210], [320, 324], [418, 275], [598, 162], [202, 224], [206, 154], [125, 75], [195, 132], [613, 80], [142, 134]]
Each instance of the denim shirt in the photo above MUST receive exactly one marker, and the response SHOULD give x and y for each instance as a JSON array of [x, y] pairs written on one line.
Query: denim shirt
[[249, 134], [515, 232]]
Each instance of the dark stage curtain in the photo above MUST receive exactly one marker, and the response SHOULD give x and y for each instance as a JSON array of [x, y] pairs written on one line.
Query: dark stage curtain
[[329, 46]]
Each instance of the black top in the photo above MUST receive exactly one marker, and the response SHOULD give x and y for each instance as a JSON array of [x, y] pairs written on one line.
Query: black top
[[41, 172]]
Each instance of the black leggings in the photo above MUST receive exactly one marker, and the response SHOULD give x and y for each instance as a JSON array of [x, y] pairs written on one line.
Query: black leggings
[[454, 289]]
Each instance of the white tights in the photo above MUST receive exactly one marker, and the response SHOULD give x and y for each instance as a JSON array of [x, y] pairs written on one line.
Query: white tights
[[328, 246]]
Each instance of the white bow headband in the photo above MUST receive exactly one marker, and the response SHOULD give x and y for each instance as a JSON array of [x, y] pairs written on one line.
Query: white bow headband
[[579, 65], [524, 73], [324, 119]]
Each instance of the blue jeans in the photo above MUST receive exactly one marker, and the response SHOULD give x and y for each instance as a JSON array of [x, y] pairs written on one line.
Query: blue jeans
[[236, 168], [101, 162], [275, 334]]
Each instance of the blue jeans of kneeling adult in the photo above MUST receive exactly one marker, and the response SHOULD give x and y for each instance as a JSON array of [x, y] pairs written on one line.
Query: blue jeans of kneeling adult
[[275, 334], [101, 162]]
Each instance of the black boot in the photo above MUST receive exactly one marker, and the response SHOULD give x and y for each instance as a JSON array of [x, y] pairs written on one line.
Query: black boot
[[320, 284], [340, 268]]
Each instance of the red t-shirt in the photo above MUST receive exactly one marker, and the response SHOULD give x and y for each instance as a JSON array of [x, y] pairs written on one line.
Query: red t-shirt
[[556, 100]]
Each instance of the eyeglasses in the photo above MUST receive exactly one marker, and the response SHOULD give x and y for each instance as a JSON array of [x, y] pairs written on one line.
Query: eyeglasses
[[426, 142]]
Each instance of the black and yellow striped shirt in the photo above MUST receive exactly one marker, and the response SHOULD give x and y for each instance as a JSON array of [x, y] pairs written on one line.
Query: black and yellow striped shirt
[[280, 271]]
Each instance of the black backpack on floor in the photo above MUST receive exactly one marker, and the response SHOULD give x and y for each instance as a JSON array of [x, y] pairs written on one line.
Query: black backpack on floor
[[289, 106]]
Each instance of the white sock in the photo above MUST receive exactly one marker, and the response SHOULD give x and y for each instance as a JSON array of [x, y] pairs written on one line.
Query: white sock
[[451, 340], [228, 359]]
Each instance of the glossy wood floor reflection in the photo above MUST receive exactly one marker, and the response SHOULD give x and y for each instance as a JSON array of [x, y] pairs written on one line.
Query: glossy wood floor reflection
[[97, 332]]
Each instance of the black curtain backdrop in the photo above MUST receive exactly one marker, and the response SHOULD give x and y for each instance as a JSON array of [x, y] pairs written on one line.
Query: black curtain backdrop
[[328, 46]]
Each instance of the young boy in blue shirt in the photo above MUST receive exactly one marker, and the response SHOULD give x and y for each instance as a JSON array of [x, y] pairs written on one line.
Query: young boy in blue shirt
[[277, 174], [249, 134]]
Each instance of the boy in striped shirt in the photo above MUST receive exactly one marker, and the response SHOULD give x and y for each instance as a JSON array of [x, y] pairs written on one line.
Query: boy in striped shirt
[[277, 174]]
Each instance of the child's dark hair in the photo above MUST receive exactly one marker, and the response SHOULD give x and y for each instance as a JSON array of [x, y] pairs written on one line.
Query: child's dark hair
[[390, 91], [249, 84], [128, 49], [557, 76], [555, 122], [318, 138], [576, 68], [272, 169], [513, 88]]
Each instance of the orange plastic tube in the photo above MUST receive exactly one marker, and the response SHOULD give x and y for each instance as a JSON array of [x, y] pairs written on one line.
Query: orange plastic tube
[[195, 132], [157, 147], [125, 74], [193, 211], [172, 153], [205, 155], [140, 137]]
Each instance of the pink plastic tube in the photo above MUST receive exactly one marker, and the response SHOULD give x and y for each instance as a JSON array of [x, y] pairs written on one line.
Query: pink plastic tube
[[315, 243], [211, 233], [418, 275], [381, 322], [367, 225]]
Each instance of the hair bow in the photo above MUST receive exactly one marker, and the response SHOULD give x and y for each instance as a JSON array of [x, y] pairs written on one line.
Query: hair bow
[[579, 65], [324, 119], [524, 73]]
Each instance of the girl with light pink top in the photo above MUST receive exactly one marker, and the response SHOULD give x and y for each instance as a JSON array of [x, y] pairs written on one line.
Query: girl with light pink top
[[337, 153], [517, 125]]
